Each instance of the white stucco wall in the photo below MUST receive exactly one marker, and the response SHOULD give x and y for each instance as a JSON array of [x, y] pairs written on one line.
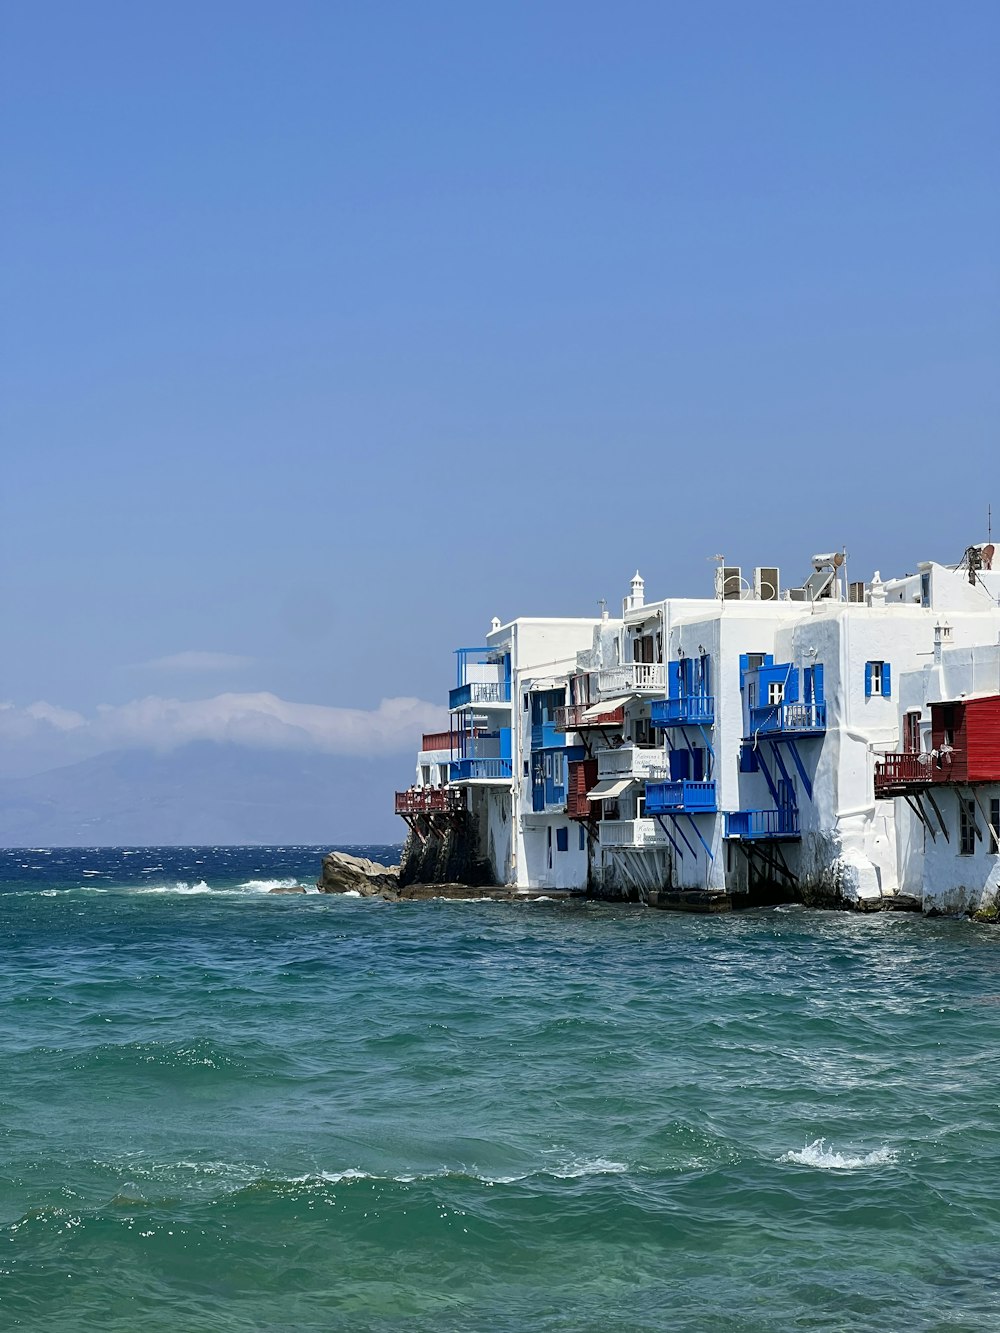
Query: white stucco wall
[[932, 866]]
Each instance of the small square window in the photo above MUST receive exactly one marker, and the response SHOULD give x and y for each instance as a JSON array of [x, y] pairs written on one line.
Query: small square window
[[775, 693]]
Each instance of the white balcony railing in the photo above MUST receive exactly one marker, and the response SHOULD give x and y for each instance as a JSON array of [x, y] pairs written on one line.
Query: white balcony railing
[[629, 833], [629, 761], [633, 677]]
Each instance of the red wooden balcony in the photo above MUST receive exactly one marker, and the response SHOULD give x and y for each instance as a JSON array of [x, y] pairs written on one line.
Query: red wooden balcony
[[437, 740], [902, 774], [449, 740], [577, 717], [429, 801]]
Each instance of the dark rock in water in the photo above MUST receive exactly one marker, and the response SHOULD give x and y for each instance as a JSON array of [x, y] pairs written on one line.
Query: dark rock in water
[[464, 891], [356, 874], [292, 888]]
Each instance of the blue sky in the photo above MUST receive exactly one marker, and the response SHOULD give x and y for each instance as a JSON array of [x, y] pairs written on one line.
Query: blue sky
[[331, 330]]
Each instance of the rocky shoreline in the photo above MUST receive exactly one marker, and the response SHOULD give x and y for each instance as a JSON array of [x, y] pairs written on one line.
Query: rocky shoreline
[[343, 873]]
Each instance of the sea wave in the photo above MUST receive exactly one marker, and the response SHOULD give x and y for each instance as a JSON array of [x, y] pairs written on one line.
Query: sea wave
[[179, 886], [266, 885], [817, 1154], [575, 1169]]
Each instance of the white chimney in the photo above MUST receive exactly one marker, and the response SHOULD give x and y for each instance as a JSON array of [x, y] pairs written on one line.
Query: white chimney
[[637, 593], [942, 639], [876, 590], [494, 624]]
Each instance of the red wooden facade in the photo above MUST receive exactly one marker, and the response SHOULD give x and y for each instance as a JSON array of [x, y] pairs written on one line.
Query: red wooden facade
[[436, 740], [972, 728], [965, 747], [582, 778]]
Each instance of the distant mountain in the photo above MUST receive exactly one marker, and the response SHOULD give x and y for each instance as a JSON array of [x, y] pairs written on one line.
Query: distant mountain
[[205, 793]]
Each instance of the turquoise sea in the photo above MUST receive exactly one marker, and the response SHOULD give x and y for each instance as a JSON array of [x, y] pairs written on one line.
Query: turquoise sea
[[227, 1110]]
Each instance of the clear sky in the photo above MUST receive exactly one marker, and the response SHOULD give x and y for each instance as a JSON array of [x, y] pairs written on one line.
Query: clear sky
[[330, 330]]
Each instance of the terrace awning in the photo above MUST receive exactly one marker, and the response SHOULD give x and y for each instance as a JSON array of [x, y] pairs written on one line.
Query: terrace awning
[[608, 706], [609, 789]]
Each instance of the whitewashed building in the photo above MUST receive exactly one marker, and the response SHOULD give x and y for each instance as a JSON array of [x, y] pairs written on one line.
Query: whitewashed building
[[697, 749], [943, 778]]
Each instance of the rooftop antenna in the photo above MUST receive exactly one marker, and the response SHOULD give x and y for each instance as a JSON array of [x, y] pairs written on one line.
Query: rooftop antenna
[[720, 561], [603, 604]]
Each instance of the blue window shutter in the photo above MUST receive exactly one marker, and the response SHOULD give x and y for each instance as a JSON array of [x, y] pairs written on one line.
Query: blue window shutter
[[792, 686], [886, 681], [807, 685], [868, 680], [817, 671], [706, 674], [748, 759], [562, 839], [675, 680]]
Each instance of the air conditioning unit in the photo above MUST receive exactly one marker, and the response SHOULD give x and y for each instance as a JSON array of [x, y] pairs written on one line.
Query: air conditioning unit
[[732, 583], [766, 583], [856, 592]]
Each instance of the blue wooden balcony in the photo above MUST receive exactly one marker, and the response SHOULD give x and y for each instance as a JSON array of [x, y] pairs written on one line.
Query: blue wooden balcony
[[788, 721], [689, 710], [684, 797], [481, 770], [479, 693], [758, 825]]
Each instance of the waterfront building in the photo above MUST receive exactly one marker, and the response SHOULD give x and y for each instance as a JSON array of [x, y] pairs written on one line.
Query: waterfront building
[[697, 749], [943, 779]]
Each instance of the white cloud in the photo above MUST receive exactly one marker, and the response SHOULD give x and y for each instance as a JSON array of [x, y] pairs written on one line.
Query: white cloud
[[257, 721], [62, 719], [192, 661]]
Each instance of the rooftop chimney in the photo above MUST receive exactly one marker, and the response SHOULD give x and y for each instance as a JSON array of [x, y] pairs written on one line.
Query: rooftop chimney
[[637, 593]]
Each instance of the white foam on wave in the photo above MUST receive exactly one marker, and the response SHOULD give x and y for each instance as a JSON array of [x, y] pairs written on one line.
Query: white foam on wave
[[817, 1154], [266, 885], [180, 886], [596, 1166], [335, 1177]]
